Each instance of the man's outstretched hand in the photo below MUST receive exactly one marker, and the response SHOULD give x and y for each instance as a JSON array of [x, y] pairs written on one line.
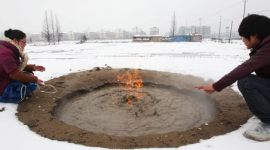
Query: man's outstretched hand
[[207, 89]]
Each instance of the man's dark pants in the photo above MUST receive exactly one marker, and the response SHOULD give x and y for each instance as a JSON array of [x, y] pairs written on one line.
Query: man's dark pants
[[256, 91]]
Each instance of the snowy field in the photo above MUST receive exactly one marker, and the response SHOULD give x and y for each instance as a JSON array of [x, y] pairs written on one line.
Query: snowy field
[[208, 60]]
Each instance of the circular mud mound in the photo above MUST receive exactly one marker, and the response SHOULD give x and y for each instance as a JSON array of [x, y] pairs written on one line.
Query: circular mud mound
[[94, 108], [160, 109]]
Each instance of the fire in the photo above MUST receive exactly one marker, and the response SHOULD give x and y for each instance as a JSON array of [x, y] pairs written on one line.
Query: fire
[[132, 83]]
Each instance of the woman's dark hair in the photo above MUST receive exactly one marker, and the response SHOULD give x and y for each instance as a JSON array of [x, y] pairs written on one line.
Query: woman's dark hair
[[15, 34], [255, 24]]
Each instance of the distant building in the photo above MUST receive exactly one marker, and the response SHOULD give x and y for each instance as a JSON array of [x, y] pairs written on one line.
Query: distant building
[[154, 31], [102, 35], [159, 38], [110, 35], [78, 35], [35, 37], [186, 38], [73, 36], [122, 34], [127, 35], [184, 30], [70, 36], [180, 38], [147, 38], [119, 34], [64, 36], [223, 35], [195, 38], [91, 35], [106, 35], [138, 31], [165, 39], [205, 31]]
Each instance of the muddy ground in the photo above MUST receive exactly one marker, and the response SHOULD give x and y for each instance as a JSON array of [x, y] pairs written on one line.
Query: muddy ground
[[42, 113]]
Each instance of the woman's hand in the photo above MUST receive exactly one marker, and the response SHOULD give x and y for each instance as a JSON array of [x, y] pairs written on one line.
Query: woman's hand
[[207, 89], [40, 82], [39, 68]]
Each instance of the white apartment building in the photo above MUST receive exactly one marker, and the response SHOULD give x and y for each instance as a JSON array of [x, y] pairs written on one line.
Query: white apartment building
[[91, 35], [122, 34], [34, 37], [138, 31]]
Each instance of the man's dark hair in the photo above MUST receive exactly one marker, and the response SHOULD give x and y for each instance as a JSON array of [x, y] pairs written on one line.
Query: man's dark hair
[[255, 24], [14, 34]]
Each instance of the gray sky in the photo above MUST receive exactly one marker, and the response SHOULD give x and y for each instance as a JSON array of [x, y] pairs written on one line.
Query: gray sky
[[96, 15]]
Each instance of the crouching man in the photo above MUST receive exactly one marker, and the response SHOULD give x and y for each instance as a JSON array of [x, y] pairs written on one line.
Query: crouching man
[[255, 32]]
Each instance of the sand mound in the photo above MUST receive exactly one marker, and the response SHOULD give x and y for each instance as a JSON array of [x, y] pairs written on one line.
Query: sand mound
[[88, 110]]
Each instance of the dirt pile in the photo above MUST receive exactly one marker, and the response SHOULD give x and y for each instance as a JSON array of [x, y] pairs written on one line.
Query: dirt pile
[[88, 110]]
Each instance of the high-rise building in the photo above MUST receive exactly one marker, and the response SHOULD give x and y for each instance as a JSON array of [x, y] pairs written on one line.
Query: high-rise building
[[205, 31], [154, 31]]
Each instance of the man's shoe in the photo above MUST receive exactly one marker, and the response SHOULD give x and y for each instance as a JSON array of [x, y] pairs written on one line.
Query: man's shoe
[[261, 132]]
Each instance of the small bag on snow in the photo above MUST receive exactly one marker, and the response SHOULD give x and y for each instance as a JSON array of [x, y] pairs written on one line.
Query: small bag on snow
[[15, 92]]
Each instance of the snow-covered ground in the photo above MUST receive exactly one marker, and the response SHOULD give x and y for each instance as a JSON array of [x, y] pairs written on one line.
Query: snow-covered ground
[[208, 60]]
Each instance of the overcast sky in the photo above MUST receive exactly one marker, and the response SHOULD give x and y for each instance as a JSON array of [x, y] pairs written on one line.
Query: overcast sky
[[96, 15]]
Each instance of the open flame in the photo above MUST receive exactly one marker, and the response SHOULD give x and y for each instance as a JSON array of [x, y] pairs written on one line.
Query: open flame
[[132, 83]]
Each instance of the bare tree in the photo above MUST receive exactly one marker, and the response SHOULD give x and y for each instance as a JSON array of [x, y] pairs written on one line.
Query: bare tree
[[173, 26], [46, 33], [58, 33], [53, 30]]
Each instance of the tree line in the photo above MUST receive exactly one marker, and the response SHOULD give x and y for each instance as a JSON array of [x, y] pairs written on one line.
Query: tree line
[[52, 29]]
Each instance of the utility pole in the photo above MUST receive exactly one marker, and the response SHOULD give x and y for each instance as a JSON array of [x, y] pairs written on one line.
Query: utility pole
[[219, 28], [231, 33], [244, 8]]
